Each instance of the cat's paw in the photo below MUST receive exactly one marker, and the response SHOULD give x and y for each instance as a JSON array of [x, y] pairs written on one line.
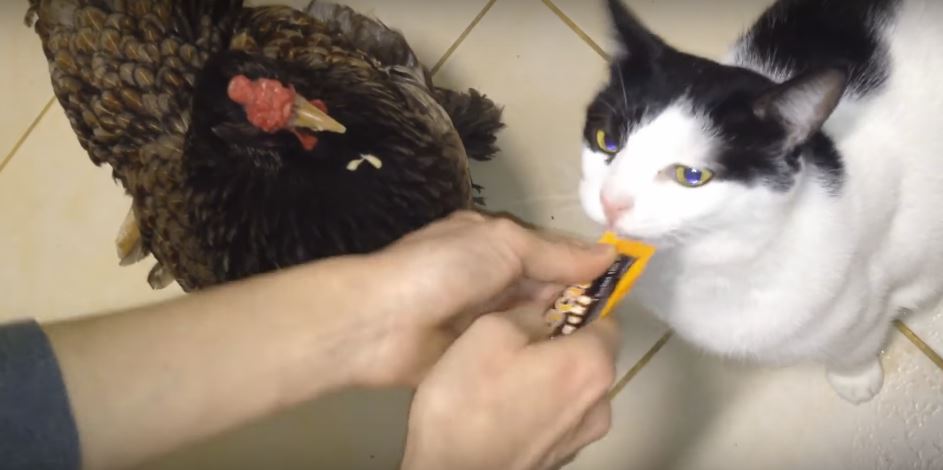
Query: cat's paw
[[860, 385]]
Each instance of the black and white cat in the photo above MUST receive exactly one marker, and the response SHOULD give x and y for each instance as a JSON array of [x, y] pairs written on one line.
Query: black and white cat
[[795, 192]]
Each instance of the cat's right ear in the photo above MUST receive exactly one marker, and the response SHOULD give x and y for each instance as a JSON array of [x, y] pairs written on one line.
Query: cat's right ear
[[636, 42], [803, 103]]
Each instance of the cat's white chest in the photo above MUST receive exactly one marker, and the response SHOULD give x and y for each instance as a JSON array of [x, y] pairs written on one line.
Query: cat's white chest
[[736, 311]]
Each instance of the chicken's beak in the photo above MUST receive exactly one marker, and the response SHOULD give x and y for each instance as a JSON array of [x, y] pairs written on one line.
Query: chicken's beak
[[308, 116]]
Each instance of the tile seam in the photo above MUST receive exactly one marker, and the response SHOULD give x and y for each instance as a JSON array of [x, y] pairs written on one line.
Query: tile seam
[[639, 365], [576, 29], [25, 135], [914, 338], [461, 38]]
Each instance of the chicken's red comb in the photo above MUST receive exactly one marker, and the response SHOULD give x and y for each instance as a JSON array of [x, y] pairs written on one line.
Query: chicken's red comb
[[268, 103]]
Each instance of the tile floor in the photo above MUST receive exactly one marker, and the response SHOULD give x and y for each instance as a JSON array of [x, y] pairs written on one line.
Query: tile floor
[[543, 60]]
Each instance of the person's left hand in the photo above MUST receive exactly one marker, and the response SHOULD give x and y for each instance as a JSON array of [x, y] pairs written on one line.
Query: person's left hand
[[504, 398]]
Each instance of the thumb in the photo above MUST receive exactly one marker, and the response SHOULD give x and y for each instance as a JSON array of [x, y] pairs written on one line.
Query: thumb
[[565, 261]]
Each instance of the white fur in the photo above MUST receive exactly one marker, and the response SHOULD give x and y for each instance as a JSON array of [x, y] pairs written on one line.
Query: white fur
[[801, 275]]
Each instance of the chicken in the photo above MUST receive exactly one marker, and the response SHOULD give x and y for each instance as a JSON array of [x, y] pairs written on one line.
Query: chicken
[[253, 139]]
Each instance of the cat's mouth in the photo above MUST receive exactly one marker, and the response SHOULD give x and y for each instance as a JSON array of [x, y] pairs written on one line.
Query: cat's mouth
[[660, 239]]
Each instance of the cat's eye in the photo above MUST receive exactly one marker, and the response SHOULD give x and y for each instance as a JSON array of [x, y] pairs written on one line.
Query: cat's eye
[[606, 143], [692, 177]]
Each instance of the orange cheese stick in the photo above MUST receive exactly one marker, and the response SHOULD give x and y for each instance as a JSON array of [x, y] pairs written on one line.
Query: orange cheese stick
[[581, 304]]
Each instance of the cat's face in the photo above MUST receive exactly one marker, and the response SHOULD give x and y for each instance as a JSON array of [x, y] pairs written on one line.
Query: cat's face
[[676, 146]]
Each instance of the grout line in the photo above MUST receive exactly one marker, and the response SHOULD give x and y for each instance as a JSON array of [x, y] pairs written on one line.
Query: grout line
[[919, 343], [639, 365], [576, 29], [26, 134], [461, 37]]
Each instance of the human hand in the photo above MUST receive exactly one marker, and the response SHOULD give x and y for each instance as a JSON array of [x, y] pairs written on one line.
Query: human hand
[[496, 400], [436, 281]]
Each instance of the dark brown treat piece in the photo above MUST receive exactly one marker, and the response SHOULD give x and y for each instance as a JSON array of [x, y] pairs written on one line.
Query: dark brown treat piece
[[580, 305]]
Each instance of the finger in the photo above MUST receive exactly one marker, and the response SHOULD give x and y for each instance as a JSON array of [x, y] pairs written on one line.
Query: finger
[[501, 330], [599, 341], [531, 323], [605, 332], [524, 292], [565, 262], [586, 358], [555, 259], [546, 294]]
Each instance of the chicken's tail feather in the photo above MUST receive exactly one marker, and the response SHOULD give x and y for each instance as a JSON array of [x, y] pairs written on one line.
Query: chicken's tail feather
[[32, 13], [477, 119]]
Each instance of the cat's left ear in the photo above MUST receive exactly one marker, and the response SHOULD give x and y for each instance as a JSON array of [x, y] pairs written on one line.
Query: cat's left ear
[[804, 103], [636, 42]]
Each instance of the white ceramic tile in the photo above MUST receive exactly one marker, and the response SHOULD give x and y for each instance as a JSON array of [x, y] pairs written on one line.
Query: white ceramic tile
[[357, 430], [698, 27], [527, 61], [59, 216], [26, 88], [430, 26], [688, 411]]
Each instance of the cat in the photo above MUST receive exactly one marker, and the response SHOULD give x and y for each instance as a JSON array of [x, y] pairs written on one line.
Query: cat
[[794, 191]]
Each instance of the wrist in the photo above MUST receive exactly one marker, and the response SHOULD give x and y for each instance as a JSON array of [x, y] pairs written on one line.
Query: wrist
[[348, 322]]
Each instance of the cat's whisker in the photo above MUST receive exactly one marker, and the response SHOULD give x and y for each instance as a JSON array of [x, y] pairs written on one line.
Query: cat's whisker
[[625, 96], [610, 106], [559, 199]]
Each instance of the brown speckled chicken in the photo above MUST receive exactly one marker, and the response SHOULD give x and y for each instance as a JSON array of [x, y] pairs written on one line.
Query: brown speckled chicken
[[252, 139]]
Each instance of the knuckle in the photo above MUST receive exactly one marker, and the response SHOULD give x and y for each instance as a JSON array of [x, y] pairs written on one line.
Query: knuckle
[[475, 216], [505, 228], [466, 215], [490, 324], [504, 246], [599, 371], [603, 423]]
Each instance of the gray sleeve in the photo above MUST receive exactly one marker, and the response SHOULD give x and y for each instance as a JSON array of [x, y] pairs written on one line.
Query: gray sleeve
[[37, 429]]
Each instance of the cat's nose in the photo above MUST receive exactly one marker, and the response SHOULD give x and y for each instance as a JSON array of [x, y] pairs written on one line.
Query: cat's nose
[[614, 207]]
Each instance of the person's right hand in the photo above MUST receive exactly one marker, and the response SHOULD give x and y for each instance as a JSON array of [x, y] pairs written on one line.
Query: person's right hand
[[497, 400], [428, 287]]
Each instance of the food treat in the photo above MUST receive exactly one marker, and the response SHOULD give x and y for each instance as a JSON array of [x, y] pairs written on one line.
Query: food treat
[[581, 304]]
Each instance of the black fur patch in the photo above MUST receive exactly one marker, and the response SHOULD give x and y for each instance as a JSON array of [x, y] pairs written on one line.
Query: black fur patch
[[793, 36], [648, 75]]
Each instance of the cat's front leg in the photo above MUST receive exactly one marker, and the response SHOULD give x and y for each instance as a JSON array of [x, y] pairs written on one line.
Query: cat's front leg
[[857, 375], [857, 385]]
